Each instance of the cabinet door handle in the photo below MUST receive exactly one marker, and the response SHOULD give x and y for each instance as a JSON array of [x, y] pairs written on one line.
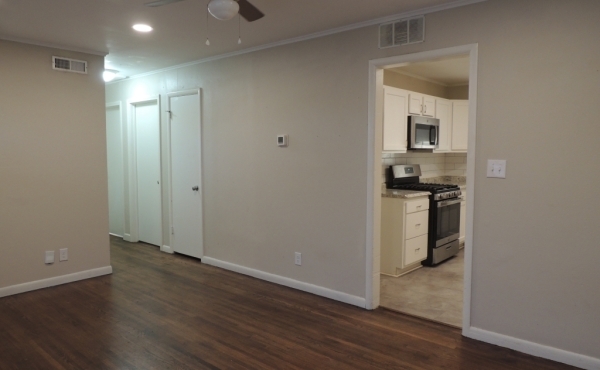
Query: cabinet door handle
[[419, 206], [417, 225]]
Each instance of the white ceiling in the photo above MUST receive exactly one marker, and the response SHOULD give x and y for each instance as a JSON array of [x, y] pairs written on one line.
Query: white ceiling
[[104, 26], [447, 72]]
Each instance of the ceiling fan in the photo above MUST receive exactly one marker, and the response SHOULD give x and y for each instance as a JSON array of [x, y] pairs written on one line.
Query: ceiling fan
[[223, 9]]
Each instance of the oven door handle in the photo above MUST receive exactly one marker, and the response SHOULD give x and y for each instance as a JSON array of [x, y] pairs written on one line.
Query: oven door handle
[[450, 202]]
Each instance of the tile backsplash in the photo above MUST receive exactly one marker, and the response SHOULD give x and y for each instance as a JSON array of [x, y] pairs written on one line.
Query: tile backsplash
[[432, 164]]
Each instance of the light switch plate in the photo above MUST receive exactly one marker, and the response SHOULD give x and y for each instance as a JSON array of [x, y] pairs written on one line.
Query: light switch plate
[[496, 168], [63, 254], [49, 257]]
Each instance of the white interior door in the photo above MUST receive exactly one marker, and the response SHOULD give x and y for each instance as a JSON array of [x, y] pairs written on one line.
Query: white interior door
[[147, 149], [186, 183], [114, 149]]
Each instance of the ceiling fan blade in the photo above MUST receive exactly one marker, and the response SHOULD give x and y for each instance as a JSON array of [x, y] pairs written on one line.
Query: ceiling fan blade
[[160, 3], [249, 11]]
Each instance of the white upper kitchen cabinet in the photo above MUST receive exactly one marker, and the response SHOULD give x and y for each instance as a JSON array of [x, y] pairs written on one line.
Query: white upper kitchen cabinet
[[395, 115], [428, 106], [443, 112], [421, 105], [460, 125]]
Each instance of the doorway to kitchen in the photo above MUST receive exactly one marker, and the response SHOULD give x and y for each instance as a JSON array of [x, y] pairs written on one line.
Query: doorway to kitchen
[[408, 286]]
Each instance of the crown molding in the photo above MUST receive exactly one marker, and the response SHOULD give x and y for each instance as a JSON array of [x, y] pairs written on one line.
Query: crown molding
[[390, 18], [54, 46]]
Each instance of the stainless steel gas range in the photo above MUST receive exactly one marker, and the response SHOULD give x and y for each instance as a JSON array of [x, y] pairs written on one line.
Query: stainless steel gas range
[[444, 210]]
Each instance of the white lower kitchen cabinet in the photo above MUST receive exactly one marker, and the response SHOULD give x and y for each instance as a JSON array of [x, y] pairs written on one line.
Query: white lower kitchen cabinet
[[404, 227], [463, 218]]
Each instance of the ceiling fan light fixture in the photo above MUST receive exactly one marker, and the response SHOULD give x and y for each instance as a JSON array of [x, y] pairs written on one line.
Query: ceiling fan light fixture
[[223, 9]]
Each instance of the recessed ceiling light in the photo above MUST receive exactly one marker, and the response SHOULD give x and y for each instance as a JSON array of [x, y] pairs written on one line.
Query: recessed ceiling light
[[142, 28], [109, 75]]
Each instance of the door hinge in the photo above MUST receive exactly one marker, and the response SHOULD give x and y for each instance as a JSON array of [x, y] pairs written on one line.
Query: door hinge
[[170, 114], [172, 230]]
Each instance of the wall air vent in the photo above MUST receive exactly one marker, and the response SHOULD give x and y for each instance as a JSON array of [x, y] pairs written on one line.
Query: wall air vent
[[402, 32], [69, 65]]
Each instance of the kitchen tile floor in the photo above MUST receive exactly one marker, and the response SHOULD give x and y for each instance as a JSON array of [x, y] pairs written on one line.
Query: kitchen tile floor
[[434, 293]]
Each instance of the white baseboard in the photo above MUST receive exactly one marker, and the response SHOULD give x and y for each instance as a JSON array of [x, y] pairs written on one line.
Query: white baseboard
[[535, 349], [277, 279], [117, 235], [127, 238], [166, 249], [58, 280]]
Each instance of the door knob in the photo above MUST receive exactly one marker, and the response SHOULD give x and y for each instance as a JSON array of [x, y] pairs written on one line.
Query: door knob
[[195, 188]]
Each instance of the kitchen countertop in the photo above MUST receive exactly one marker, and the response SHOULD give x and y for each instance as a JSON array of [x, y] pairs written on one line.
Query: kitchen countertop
[[393, 193]]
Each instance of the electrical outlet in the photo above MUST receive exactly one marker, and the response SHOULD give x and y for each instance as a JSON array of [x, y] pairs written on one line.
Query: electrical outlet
[[63, 255], [49, 257], [298, 258]]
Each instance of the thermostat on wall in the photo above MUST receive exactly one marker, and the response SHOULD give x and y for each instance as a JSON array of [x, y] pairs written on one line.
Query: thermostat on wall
[[282, 140]]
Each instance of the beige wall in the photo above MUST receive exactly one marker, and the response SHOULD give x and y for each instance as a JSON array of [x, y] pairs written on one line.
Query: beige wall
[[402, 81], [52, 165], [535, 248], [457, 92]]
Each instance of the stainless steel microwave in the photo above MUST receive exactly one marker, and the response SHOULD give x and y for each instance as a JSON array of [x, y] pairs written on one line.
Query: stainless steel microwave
[[423, 132]]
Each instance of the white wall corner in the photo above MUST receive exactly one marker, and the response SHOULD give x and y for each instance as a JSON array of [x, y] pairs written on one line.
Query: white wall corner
[[166, 249], [58, 280], [277, 279], [534, 349]]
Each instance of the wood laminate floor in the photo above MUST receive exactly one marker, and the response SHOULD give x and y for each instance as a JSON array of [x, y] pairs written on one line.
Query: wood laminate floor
[[434, 293], [160, 311]]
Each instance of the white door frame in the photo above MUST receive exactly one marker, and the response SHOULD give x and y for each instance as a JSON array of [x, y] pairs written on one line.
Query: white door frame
[[375, 114], [119, 105], [198, 92], [134, 235]]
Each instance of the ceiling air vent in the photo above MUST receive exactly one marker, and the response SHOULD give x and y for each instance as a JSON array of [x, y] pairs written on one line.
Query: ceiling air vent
[[69, 65], [402, 32]]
